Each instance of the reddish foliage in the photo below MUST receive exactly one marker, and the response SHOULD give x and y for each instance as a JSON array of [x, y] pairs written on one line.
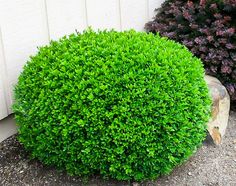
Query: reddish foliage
[[208, 29]]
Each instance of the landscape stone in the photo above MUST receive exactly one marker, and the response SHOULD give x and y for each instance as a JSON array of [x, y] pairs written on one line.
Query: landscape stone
[[220, 109]]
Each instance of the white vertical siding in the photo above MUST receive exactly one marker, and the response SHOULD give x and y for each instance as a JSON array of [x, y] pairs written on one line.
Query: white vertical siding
[[23, 29], [3, 105], [64, 17], [26, 24], [103, 14], [3, 83], [134, 14]]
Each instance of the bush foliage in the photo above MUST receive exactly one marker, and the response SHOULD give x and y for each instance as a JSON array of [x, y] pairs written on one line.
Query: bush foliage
[[127, 105], [207, 28]]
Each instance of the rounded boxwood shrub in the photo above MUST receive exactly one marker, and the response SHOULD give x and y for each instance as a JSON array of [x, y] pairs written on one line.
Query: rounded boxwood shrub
[[126, 105]]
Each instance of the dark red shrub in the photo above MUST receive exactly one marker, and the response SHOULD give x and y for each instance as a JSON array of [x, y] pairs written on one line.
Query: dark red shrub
[[208, 29]]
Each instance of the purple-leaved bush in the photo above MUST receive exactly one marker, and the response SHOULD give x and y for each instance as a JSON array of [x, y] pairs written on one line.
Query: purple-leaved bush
[[208, 29]]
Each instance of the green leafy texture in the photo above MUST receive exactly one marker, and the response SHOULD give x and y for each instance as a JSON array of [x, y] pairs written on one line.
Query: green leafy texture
[[127, 105]]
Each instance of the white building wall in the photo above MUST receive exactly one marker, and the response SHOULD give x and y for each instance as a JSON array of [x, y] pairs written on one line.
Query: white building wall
[[26, 24]]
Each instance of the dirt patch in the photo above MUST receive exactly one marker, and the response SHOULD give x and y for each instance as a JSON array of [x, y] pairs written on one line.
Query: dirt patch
[[210, 166]]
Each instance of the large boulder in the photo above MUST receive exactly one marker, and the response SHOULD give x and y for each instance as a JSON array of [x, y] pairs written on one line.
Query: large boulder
[[220, 109]]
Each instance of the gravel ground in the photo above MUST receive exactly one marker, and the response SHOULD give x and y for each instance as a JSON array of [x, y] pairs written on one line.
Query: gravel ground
[[210, 166]]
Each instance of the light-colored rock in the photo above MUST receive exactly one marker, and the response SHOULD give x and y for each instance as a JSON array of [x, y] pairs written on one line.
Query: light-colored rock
[[220, 109]]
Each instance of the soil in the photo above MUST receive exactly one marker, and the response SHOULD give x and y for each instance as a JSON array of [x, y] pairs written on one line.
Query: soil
[[210, 166]]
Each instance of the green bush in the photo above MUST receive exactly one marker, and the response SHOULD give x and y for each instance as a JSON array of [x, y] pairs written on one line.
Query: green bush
[[126, 105]]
